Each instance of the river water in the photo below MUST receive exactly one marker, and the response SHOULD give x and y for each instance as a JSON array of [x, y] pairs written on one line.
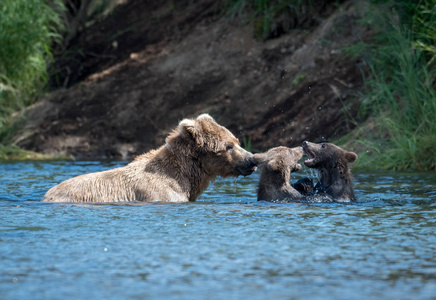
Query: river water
[[225, 246]]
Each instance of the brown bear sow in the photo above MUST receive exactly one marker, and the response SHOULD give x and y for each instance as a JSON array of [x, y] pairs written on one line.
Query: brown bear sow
[[332, 164], [277, 165], [194, 154]]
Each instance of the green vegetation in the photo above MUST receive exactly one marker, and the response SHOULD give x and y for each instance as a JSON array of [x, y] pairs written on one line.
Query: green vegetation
[[400, 99], [15, 153], [299, 78], [29, 29], [246, 143], [272, 17]]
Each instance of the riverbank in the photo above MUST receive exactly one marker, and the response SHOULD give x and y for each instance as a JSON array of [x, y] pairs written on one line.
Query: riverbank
[[131, 76], [132, 87]]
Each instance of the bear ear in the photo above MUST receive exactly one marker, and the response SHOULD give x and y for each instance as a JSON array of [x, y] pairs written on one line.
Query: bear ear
[[190, 129], [350, 156], [187, 128], [205, 117], [273, 164], [259, 158]]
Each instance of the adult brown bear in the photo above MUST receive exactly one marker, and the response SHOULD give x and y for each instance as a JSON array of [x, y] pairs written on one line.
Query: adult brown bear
[[194, 154]]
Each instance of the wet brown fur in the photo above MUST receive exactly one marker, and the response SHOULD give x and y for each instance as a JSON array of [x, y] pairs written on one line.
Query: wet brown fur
[[194, 154], [333, 165], [277, 165]]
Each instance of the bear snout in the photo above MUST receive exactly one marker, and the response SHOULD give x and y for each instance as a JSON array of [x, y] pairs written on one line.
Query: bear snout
[[247, 166], [252, 161], [307, 145]]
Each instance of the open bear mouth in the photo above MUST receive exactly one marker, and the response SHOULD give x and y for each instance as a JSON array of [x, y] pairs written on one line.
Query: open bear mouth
[[310, 154]]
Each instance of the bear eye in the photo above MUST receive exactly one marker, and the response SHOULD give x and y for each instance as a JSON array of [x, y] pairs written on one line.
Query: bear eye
[[229, 147], [323, 146]]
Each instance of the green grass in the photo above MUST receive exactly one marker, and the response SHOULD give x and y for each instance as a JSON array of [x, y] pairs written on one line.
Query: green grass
[[246, 143], [12, 152], [400, 97], [28, 30]]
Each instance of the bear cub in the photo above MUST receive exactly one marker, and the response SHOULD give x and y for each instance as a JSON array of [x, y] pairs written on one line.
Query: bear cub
[[277, 164], [333, 166]]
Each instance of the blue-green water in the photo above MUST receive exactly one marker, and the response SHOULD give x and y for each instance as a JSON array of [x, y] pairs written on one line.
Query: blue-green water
[[225, 246]]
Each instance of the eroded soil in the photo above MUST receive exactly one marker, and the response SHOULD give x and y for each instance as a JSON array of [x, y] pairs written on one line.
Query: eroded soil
[[134, 75]]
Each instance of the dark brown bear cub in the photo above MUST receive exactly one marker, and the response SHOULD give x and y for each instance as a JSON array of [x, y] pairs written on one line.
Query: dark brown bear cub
[[277, 165], [332, 164]]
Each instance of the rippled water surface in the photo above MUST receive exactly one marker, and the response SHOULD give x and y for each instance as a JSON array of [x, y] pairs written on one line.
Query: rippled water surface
[[225, 246]]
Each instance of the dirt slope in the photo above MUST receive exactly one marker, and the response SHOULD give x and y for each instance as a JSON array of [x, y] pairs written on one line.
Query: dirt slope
[[146, 67]]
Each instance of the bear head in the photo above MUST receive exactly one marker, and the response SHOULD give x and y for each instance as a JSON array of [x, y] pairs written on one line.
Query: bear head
[[327, 155], [211, 146], [278, 163]]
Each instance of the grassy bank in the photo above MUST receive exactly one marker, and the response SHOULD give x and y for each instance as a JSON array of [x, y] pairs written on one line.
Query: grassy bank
[[400, 98], [29, 29]]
